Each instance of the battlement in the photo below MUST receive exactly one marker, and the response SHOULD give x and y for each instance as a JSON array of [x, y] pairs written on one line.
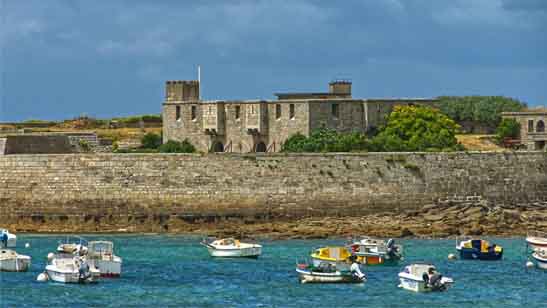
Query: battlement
[[182, 90]]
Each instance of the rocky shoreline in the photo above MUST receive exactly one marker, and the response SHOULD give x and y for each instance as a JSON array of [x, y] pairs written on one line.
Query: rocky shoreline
[[431, 221]]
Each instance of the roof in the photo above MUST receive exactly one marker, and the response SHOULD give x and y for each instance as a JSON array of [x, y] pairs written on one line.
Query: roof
[[302, 100]]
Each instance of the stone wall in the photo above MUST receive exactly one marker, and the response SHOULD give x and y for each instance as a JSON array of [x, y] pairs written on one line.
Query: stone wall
[[3, 145], [151, 192], [37, 144]]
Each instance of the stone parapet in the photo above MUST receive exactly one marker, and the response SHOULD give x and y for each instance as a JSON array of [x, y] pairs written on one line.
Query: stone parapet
[[156, 192]]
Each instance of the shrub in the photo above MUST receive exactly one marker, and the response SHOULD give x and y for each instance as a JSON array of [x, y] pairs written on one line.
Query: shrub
[[417, 128], [325, 140], [84, 145], [508, 128], [172, 146], [151, 141]]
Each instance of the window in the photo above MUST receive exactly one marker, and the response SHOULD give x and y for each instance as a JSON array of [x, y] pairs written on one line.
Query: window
[[335, 110], [291, 111], [540, 128], [238, 112], [177, 113], [194, 112], [210, 110], [530, 126], [278, 111]]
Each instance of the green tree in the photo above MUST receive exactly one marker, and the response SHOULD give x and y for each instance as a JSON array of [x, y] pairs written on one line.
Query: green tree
[[482, 109], [417, 128], [508, 128], [151, 141], [172, 146]]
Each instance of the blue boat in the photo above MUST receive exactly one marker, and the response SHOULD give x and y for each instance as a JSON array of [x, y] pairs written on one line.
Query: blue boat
[[476, 249]]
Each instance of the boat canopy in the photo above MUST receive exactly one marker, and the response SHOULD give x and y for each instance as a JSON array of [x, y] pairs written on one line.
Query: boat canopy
[[332, 253], [100, 247]]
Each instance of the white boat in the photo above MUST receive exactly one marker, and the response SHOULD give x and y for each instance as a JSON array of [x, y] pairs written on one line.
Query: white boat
[[536, 239], [73, 245], [423, 278], [7, 239], [230, 247], [100, 255], [68, 268], [540, 256], [11, 261], [327, 273]]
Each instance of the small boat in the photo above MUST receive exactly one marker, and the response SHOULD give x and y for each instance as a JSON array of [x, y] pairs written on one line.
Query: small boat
[[68, 268], [327, 273], [540, 256], [372, 251], [100, 255], [11, 261], [536, 239], [477, 249], [333, 255], [7, 239], [232, 248], [423, 277], [75, 245]]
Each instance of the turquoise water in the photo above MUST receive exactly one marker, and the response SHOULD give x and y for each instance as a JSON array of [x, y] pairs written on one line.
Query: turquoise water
[[176, 271]]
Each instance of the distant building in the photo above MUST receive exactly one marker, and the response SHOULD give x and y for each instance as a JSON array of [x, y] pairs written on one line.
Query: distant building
[[532, 127], [263, 125]]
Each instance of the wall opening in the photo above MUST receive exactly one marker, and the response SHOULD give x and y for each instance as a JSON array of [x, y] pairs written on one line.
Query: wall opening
[[278, 111], [291, 111], [177, 113], [194, 112], [540, 145], [218, 147], [335, 110], [260, 147], [238, 112], [540, 128]]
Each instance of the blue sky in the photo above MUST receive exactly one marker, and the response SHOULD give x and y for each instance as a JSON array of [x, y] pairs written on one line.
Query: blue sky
[[104, 58]]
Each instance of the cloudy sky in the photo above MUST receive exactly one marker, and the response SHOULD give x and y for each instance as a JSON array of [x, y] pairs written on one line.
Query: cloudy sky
[[104, 58]]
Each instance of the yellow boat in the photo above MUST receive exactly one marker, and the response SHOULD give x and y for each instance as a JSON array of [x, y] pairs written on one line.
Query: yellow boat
[[334, 255]]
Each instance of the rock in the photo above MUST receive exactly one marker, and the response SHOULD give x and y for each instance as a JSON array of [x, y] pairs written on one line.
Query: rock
[[406, 233]]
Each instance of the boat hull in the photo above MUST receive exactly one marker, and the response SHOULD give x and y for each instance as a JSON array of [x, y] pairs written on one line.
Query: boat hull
[[417, 284], [17, 264], [473, 254], [536, 243], [371, 260], [412, 284], [107, 268], [306, 276], [339, 265], [541, 262], [248, 252], [70, 277]]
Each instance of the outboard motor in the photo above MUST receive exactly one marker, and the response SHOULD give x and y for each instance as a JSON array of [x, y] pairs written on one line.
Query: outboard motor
[[392, 250], [435, 283], [83, 271]]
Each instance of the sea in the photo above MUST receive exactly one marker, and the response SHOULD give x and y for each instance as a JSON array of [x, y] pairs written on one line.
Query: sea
[[176, 271]]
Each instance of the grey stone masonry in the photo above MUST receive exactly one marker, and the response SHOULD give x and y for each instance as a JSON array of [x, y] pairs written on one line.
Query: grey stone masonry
[[245, 126], [117, 189]]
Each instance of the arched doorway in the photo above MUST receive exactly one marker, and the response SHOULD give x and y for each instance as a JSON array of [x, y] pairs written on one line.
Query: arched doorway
[[218, 147], [540, 127], [261, 147]]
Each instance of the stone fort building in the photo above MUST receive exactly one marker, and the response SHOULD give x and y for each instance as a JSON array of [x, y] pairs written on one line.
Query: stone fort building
[[244, 126], [532, 127]]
